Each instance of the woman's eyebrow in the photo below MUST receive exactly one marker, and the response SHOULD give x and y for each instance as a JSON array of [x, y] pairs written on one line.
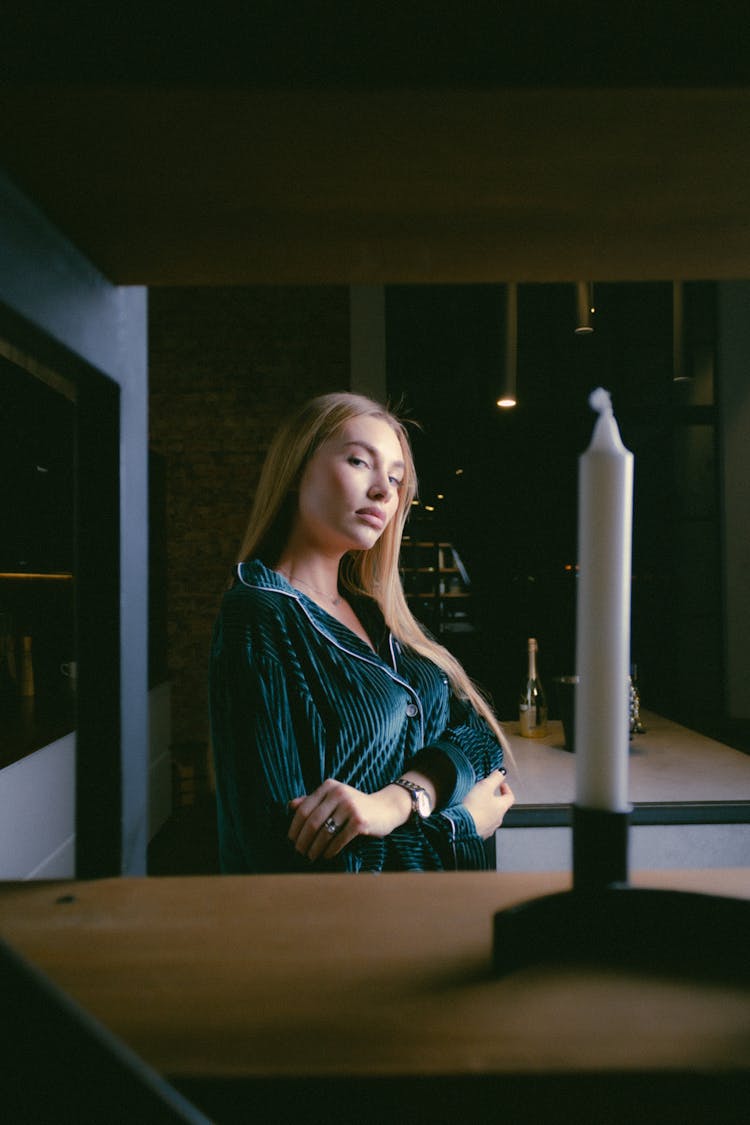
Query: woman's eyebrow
[[373, 452]]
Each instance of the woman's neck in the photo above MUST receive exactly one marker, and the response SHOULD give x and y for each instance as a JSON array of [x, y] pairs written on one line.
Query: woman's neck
[[312, 574], [318, 579]]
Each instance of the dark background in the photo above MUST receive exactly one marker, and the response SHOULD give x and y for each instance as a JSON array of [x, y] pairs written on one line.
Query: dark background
[[512, 512]]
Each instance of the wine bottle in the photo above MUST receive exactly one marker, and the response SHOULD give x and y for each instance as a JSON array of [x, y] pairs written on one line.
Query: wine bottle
[[27, 668], [532, 706], [636, 726], [8, 682]]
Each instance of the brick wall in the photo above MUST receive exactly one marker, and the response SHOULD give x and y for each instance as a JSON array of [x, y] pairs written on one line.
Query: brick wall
[[225, 366]]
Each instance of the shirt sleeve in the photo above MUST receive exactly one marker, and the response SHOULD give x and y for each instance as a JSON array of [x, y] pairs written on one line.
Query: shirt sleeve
[[256, 759], [445, 841], [469, 745]]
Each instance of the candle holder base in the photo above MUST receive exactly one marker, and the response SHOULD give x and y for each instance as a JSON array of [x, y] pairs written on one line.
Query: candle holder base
[[627, 927], [600, 847], [604, 920]]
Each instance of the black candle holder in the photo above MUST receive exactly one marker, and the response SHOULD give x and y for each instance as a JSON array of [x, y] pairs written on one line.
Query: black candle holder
[[604, 920]]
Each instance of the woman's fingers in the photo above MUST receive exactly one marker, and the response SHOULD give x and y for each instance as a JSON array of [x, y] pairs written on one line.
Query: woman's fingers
[[320, 823], [308, 822], [509, 796], [488, 802], [337, 840]]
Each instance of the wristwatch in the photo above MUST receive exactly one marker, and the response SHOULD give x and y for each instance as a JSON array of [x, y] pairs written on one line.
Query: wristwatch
[[420, 800]]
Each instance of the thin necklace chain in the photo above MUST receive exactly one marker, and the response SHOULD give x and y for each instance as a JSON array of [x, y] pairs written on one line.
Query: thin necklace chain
[[315, 590]]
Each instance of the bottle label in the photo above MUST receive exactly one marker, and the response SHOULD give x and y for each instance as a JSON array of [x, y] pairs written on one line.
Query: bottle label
[[533, 721]]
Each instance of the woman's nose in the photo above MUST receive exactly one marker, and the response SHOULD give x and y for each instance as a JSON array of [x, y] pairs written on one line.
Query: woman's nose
[[381, 486]]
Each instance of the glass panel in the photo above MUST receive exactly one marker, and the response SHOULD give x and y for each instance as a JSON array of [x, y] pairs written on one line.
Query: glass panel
[[37, 645]]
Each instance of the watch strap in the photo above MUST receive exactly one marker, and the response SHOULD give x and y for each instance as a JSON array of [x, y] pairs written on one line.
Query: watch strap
[[413, 790]]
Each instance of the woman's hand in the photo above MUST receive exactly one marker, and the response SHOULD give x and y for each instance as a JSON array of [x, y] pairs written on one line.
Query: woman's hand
[[488, 801], [348, 812]]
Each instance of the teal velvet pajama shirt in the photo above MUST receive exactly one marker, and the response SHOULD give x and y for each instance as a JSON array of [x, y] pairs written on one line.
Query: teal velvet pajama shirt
[[296, 697]]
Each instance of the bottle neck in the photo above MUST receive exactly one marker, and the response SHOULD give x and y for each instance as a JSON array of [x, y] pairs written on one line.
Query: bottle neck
[[532, 662]]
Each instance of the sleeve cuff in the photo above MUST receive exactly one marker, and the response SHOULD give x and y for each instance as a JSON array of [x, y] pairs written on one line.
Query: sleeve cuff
[[465, 775], [467, 846]]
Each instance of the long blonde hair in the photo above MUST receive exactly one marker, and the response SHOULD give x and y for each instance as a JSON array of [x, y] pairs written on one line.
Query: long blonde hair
[[373, 572]]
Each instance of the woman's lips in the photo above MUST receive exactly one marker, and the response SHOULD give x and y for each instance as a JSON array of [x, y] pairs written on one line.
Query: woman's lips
[[373, 517]]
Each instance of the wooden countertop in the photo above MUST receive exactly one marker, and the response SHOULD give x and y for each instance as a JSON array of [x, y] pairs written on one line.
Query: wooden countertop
[[320, 976]]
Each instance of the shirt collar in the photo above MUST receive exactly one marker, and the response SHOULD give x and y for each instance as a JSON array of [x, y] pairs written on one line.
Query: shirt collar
[[256, 573]]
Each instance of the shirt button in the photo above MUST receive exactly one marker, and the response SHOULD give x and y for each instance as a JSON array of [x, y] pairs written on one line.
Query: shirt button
[[412, 710]]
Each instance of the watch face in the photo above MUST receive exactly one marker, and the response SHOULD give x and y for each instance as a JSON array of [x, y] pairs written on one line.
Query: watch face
[[423, 803]]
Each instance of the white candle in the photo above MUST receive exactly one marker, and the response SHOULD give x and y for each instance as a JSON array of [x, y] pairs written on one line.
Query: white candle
[[605, 523]]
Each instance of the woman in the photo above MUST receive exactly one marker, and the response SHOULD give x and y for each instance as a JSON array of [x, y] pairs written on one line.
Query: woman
[[344, 738]]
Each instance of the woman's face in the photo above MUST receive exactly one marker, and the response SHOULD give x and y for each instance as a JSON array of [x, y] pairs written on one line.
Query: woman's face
[[350, 487]]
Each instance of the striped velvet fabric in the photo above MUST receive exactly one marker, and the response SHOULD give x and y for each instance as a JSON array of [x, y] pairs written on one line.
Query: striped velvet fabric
[[296, 697]]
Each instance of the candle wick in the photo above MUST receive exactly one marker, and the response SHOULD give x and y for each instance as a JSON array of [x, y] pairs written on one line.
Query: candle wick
[[601, 401]]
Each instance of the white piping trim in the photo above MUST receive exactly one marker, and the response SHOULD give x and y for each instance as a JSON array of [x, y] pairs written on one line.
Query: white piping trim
[[452, 823], [342, 648]]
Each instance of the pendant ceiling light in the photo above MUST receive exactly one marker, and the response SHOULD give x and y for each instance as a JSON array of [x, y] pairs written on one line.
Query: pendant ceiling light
[[584, 307], [679, 370], [508, 397]]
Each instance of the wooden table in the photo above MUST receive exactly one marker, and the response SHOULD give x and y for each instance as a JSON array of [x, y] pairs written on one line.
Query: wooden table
[[355, 999]]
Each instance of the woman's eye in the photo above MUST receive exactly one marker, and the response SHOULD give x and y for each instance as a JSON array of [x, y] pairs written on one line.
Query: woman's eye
[[396, 482], [357, 461]]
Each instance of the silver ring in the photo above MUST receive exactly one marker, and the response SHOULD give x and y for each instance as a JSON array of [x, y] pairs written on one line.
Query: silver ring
[[330, 825]]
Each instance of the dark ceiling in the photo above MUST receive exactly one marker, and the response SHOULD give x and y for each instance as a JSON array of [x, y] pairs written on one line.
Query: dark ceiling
[[363, 142]]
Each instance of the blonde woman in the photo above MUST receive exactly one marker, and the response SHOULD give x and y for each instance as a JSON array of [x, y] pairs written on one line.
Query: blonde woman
[[344, 737]]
